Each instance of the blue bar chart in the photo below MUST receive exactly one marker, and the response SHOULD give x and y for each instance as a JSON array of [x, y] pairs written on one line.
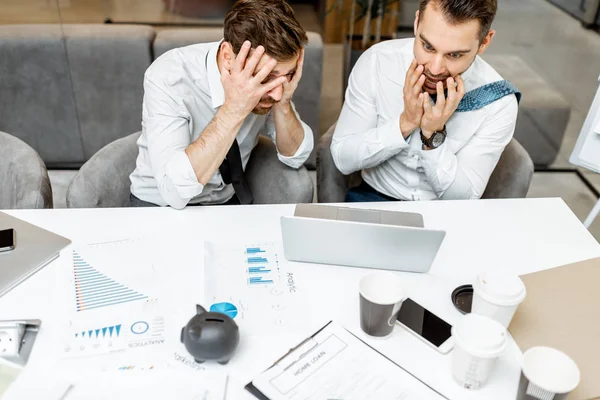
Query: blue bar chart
[[259, 280], [95, 290], [258, 270], [257, 260], [254, 250]]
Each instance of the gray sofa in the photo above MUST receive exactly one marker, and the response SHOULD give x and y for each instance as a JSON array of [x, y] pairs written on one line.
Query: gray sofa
[[69, 90]]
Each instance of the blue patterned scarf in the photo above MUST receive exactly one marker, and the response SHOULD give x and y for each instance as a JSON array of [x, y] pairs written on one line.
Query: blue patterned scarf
[[486, 94]]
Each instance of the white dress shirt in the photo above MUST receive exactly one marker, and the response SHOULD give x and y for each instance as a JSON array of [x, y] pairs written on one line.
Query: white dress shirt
[[182, 94], [368, 138]]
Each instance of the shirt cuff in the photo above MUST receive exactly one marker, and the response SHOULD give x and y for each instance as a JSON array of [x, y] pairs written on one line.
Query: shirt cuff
[[302, 153], [181, 174], [391, 136], [436, 158]]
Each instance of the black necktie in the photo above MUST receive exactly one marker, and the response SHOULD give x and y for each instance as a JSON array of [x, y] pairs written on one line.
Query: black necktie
[[232, 172]]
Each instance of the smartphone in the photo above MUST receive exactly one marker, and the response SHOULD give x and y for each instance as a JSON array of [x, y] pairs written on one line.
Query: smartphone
[[427, 326], [8, 239]]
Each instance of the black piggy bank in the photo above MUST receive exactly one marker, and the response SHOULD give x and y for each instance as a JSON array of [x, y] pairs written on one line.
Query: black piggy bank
[[210, 336]]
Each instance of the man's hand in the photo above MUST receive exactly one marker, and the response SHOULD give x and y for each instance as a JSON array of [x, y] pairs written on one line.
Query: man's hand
[[243, 85], [289, 87], [410, 119], [435, 117]]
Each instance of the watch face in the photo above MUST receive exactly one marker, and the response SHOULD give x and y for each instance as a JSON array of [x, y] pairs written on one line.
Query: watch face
[[437, 139]]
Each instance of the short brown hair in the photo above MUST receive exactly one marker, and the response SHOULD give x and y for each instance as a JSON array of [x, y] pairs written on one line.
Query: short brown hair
[[270, 23], [459, 11]]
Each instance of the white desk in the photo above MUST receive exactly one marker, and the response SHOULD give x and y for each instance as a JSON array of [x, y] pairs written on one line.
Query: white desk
[[517, 235]]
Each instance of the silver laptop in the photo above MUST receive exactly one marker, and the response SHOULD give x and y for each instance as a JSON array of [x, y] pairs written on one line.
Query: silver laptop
[[34, 248], [360, 238]]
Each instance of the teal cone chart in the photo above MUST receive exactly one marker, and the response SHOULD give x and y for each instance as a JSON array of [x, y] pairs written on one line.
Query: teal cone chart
[[105, 332], [94, 289], [225, 308]]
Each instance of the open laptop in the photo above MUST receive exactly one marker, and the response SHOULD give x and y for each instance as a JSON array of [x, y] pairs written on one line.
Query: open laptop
[[360, 238], [34, 248]]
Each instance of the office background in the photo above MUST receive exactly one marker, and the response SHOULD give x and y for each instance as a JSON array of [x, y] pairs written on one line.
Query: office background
[[557, 40]]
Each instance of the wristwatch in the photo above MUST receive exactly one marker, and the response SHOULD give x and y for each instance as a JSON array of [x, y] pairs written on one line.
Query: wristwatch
[[436, 139]]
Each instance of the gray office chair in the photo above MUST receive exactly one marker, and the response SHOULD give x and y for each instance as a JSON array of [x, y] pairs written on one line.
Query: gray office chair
[[103, 181], [511, 177], [24, 181]]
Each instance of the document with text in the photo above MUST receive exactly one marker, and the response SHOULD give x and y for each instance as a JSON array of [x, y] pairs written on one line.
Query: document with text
[[335, 364]]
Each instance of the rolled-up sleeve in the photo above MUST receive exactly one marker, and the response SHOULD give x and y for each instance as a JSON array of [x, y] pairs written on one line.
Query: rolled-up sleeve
[[166, 126], [303, 152]]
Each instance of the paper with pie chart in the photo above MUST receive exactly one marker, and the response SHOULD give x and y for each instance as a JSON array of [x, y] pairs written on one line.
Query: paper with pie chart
[[253, 284]]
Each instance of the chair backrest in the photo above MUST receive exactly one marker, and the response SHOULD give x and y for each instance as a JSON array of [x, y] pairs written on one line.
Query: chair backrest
[[24, 181], [512, 176], [103, 181]]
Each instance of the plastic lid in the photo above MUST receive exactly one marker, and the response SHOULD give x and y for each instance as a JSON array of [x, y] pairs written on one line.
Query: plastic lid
[[551, 369], [500, 288], [480, 336]]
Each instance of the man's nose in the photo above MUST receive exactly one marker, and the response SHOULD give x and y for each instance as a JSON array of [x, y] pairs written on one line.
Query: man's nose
[[277, 93], [437, 66]]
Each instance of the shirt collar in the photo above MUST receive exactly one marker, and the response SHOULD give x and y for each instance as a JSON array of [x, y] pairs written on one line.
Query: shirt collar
[[217, 93], [470, 71]]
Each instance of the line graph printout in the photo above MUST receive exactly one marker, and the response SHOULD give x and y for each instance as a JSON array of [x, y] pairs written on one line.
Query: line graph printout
[[112, 292], [252, 284]]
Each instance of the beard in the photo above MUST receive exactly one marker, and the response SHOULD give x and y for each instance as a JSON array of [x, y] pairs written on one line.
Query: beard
[[259, 110]]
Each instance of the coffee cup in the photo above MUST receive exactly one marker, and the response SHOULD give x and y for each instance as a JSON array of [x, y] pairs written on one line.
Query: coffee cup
[[478, 342], [381, 296], [497, 295], [547, 373]]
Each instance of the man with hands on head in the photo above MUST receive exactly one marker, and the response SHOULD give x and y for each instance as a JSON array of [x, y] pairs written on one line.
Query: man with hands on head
[[427, 118], [205, 105]]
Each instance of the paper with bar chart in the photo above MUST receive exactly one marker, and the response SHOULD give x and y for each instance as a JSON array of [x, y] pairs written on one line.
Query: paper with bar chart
[[252, 284], [113, 298]]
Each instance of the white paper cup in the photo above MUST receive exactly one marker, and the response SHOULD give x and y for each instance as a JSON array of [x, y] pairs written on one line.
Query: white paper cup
[[547, 374], [497, 295], [478, 342]]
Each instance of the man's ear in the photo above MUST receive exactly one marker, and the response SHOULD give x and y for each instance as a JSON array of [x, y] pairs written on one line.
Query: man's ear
[[486, 41], [416, 24], [227, 55]]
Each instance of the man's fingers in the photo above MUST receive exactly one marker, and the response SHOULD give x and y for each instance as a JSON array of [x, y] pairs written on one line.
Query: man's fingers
[[440, 101], [411, 69], [266, 69], [460, 88], [253, 61], [451, 85], [418, 88], [273, 84], [420, 100], [298, 74], [427, 103], [412, 80], [240, 60]]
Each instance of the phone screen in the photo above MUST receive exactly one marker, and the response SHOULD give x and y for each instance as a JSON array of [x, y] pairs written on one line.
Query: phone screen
[[423, 322], [7, 239]]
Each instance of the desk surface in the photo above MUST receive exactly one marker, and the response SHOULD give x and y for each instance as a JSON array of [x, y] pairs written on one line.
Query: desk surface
[[521, 236]]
